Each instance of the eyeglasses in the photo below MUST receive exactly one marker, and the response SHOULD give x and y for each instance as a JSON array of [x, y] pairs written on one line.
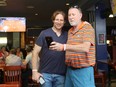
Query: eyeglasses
[[75, 6]]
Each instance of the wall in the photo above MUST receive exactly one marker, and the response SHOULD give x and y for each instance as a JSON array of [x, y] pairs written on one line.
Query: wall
[[16, 39], [101, 46]]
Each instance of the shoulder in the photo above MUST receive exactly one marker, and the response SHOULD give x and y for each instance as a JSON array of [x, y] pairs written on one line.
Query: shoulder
[[46, 30], [87, 25]]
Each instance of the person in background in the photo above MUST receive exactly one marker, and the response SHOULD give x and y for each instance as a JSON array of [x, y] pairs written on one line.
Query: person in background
[[80, 51], [27, 62], [1, 57], [12, 59], [28, 59], [3, 53], [52, 63], [19, 52]]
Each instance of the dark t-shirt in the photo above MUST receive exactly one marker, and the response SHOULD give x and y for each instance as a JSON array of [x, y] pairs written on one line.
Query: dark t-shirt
[[52, 62]]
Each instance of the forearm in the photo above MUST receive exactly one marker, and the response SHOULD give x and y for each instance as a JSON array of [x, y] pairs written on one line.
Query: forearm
[[35, 61], [78, 48], [83, 47]]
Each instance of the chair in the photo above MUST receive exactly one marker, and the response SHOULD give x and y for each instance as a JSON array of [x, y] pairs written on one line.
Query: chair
[[12, 75], [100, 77], [9, 85]]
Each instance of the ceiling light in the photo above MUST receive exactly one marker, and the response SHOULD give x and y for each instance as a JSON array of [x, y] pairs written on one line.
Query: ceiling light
[[111, 16], [67, 4], [36, 14]]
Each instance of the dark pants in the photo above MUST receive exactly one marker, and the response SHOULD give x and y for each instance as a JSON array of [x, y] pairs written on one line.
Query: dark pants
[[1, 77], [25, 77]]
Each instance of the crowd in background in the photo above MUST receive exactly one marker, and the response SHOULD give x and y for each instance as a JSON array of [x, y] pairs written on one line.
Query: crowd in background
[[18, 57]]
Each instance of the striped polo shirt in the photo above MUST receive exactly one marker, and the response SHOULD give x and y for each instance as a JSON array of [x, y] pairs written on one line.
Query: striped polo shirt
[[85, 33]]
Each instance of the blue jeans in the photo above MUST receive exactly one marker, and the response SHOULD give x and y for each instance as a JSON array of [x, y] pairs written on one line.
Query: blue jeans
[[53, 80], [83, 77]]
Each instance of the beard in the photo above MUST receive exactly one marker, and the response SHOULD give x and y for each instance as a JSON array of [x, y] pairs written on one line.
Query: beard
[[73, 23]]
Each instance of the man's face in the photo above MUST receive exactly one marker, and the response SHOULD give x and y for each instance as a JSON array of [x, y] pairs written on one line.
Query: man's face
[[74, 16], [58, 21]]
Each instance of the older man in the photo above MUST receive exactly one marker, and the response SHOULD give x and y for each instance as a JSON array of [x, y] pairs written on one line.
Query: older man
[[80, 51]]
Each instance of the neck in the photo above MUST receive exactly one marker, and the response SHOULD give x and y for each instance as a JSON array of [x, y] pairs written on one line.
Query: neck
[[78, 25], [57, 31]]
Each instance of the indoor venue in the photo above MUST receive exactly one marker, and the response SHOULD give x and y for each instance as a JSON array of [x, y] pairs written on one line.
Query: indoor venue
[[22, 21]]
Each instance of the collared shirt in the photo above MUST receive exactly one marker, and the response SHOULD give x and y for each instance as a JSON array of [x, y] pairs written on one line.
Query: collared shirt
[[85, 33]]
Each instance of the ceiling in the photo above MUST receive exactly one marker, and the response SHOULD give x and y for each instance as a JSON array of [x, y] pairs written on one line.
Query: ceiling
[[38, 12]]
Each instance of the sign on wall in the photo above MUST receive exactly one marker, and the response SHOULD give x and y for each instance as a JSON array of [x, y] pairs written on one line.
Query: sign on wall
[[101, 39]]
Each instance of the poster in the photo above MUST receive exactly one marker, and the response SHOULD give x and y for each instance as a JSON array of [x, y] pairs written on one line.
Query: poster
[[101, 39]]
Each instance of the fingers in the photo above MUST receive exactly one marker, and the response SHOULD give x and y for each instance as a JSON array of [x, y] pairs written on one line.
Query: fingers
[[36, 76], [52, 46], [37, 80], [56, 46], [53, 43]]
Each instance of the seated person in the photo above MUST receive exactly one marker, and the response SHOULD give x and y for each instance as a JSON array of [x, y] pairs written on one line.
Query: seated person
[[28, 58], [3, 54], [12, 59], [1, 57], [19, 52], [28, 71]]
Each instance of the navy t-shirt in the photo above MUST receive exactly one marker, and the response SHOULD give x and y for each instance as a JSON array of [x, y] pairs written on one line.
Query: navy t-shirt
[[52, 62]]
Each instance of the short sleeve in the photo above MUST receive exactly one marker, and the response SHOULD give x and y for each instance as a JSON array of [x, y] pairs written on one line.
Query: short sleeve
[[40, 39], [89, 34]]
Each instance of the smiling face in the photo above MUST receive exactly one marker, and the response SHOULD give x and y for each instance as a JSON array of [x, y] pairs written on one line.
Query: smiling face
[[74, 16], [58, 22]]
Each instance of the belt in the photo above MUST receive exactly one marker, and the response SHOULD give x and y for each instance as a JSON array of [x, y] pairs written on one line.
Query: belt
[[73, 68]]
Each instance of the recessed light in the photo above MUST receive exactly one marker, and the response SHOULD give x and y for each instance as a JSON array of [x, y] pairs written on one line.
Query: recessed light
[[36, 13], [111, 16], [67, 4]]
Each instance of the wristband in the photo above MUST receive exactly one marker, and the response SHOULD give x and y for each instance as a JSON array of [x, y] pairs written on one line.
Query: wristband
[[64, 47], [34, 70]]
